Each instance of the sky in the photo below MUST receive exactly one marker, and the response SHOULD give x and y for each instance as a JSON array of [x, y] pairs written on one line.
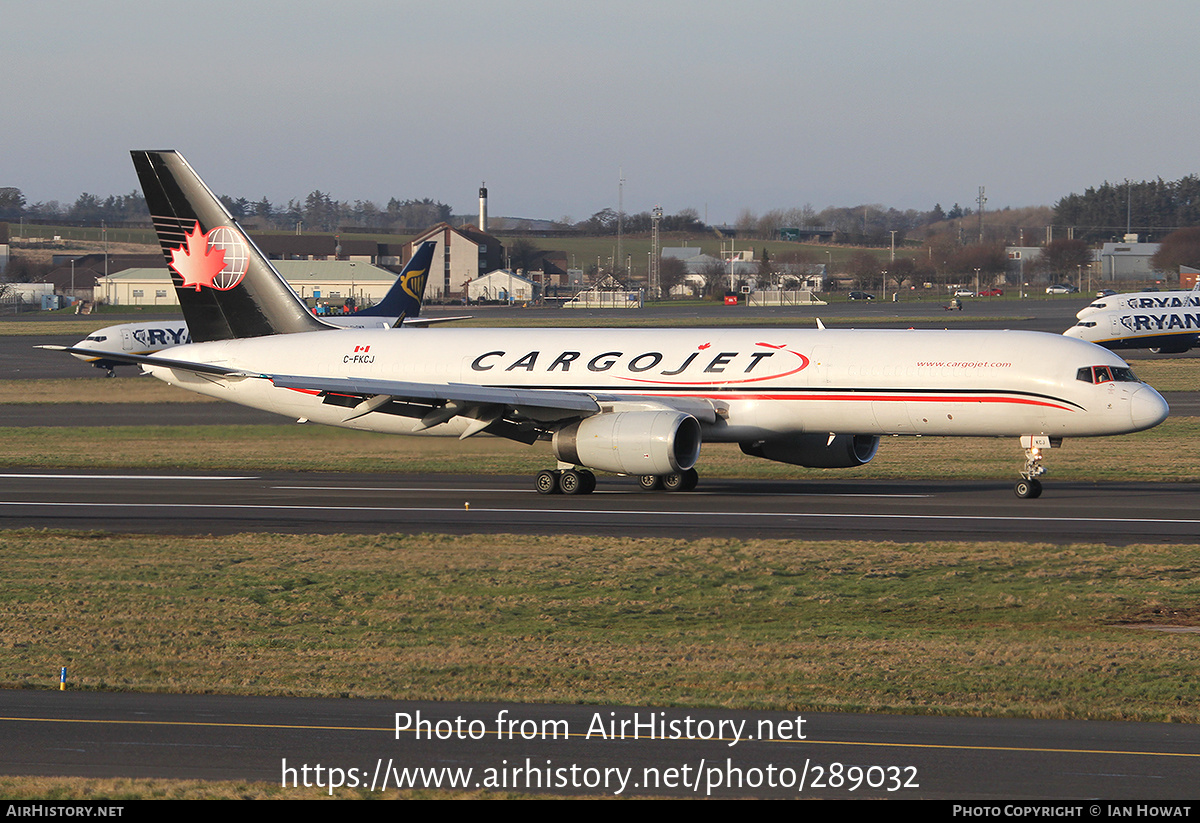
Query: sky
[[719, 107]]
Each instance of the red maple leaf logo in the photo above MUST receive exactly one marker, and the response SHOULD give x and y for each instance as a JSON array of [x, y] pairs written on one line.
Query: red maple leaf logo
[[197, 264]]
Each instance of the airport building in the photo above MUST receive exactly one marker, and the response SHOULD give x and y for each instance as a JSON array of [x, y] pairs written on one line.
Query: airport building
[[1129, 260], [332, 282], [502, 285], [462, 255], [320, 267]]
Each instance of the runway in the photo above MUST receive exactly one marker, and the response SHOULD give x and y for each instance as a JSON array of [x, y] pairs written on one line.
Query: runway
[[165, 503], [590, 750]]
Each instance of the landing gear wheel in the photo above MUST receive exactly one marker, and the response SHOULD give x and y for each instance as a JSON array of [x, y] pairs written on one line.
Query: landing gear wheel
[[1028, 489], [650, 482], [589, 482], [547, 482], [690, 478], [571, 482], [685, 481]]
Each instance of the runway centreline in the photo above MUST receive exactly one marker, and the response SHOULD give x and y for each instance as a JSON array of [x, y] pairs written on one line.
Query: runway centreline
[[300, 503]]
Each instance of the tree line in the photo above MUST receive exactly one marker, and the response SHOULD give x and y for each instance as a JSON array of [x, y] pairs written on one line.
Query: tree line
[[1149, 207], [318, 211]]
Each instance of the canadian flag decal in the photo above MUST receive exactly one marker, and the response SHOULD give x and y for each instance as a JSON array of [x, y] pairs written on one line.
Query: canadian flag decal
[[362, 348]]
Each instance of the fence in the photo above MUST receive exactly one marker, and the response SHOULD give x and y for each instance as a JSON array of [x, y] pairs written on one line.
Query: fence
[[775, 297], [593, 299]]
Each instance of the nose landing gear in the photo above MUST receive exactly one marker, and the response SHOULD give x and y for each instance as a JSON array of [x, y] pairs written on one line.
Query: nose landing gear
[[1029, 487]]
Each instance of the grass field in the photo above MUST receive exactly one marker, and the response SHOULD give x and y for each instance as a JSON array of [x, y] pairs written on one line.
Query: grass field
[[1165, 453], [951, 628]]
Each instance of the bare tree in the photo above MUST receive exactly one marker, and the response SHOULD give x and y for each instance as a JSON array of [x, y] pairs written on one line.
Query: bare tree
[[672, 272], [1179, 248]]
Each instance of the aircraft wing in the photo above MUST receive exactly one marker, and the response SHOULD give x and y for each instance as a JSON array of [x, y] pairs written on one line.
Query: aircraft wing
[[151, 360], [421, 322], [512, 412], [434, 403], [547, 404]]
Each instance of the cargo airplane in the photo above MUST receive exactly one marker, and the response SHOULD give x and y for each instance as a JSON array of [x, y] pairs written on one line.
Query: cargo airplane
[[630, 401], [401, 306]]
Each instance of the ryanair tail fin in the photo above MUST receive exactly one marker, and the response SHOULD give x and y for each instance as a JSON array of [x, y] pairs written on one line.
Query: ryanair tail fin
[[226, 287], [403, 299]]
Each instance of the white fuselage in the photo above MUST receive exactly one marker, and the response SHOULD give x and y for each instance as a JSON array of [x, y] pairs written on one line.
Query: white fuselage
[[1148, 300], [134, 338], [1140, 328], [154, 336], [762, 382]]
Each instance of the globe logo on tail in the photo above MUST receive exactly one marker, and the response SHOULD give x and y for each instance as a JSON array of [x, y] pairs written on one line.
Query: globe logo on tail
[[218, 259]]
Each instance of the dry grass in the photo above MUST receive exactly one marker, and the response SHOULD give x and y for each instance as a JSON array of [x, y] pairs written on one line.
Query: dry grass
[[119, 789], [979, 629], [1166, 453], [124, 389], [1181, 374]]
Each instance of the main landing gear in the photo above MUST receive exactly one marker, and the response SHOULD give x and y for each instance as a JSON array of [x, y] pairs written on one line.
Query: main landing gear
[[582, 481], [1029, 487], [684, 481], [565, 481]]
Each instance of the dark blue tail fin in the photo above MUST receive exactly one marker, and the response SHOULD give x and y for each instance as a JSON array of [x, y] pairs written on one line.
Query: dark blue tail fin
[[226, 286], [403, 299]]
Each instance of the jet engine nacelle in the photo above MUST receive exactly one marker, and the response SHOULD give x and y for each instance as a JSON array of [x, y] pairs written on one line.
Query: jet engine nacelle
[[636, 442], [817, 451]]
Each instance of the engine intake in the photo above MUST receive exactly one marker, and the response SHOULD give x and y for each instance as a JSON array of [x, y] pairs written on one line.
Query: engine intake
[[638, 442], [816, 451]]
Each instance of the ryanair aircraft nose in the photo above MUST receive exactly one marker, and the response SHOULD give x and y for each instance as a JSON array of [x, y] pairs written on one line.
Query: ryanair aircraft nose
[[1148, 409], [1078, 330]]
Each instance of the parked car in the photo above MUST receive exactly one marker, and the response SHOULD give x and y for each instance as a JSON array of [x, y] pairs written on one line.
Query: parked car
[[861, 295], [964, 293], [1106, 292], [1061, 288], [992, 293]]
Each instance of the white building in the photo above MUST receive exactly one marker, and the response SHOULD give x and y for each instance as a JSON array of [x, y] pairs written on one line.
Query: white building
[[502, 285], [332, 281], [463, 254]]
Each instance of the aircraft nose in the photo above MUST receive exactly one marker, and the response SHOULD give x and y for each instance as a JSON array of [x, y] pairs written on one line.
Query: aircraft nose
[[1148, 408]]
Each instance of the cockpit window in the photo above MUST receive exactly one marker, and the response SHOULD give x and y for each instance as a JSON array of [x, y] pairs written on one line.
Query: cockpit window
[[1106, 374], [98, 338]]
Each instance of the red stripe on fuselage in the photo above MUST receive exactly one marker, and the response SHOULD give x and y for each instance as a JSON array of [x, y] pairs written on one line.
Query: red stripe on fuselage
[[919, 398]]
